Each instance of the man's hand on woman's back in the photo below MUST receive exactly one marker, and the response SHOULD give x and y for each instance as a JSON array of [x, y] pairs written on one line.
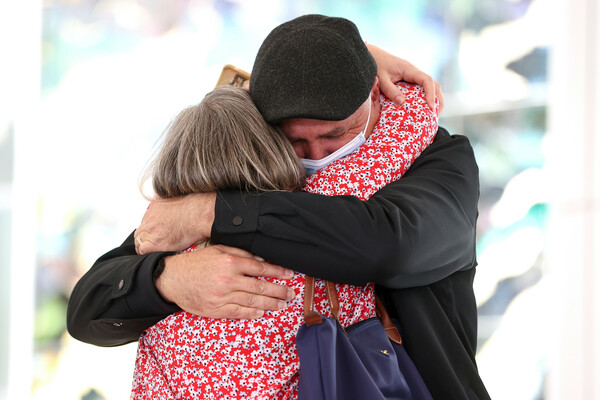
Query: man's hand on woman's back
[[220, 282]]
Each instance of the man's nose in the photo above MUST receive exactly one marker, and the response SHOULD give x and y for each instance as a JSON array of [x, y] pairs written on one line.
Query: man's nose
[[316, 151]]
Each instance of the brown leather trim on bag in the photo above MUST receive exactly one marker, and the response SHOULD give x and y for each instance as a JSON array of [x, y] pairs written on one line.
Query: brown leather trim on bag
[[387, 323], [332, 296], [311, 317], [309, 295]]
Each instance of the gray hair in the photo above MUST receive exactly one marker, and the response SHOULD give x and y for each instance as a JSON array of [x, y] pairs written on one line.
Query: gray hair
[[224, 143]]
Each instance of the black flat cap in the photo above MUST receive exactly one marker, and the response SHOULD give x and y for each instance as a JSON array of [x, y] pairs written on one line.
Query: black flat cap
[[313, 66]]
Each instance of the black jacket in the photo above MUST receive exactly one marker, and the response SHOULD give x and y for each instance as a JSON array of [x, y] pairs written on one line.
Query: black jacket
[[415, 239]]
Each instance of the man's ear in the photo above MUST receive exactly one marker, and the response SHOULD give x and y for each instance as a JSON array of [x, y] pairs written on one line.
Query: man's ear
[[375, 92]]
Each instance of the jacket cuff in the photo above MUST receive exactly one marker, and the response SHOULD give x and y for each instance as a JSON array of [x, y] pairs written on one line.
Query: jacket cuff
[[143, 299]]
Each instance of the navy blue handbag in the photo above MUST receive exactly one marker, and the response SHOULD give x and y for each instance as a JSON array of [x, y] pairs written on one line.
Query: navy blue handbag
[[366, 361]]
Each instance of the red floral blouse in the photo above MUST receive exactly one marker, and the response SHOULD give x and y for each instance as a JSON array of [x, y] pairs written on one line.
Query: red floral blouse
[[189, 357]]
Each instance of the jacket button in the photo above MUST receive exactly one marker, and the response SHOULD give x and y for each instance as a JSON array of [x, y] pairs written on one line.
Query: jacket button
[[121, 284], [237, 220]]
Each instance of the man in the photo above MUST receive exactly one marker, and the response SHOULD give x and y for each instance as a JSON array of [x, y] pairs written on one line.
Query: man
[[415, 238]]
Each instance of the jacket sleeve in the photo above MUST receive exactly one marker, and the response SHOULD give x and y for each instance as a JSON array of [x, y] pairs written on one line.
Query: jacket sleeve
[[115, 301], [413, 232], [388, 239]]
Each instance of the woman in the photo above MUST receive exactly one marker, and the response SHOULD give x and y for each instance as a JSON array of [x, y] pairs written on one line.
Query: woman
[[224, 143]]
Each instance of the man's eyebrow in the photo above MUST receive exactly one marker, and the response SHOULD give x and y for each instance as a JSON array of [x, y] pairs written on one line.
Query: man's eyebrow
[[339, 131]]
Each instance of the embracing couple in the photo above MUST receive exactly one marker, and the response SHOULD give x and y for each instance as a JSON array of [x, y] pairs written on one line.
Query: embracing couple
[[299, 176]]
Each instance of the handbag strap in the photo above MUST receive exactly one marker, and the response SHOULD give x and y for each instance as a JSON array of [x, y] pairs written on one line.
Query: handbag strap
[[311, 317], [386, 321], [332, 297], [309, 297]]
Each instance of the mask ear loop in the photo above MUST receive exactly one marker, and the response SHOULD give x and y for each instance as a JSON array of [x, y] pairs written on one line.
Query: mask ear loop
[[364, 132]]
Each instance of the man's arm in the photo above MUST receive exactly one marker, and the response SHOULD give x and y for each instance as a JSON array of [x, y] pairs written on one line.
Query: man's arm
[[413, 232], [116, 300]]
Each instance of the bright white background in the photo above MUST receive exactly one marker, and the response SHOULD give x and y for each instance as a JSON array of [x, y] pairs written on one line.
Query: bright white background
[[86, 88]]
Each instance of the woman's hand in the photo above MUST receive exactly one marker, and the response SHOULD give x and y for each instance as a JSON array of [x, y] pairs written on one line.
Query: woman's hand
[[391, 69]]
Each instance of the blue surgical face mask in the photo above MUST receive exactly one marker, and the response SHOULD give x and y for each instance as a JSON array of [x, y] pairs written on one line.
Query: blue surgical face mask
[[313, 166]]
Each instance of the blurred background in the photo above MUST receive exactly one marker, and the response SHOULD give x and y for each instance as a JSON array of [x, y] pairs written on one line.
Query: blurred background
[[87, 87]]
